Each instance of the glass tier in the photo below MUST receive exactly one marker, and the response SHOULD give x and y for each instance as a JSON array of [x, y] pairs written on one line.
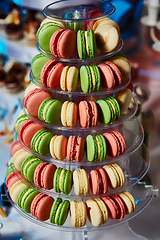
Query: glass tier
[[132, 132], [143, 192]]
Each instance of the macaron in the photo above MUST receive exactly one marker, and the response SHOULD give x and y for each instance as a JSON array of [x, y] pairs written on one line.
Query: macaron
[[63, 43], [123, 64], [90, 79], [63, 180], [19, 157], [12, 177], [30, 87], [41, 206], [44, 174], [45, 33], [19, 121], [10, 169], [86, 44], [16, 188], [51, 73], [97, 212], [15, 147], [25, 198], [113, 211], [59, 22], [107, 37], [108, 110], [37, 64], [48, 108], [81, 183], [58, 147], [69, 79], [69, 114], [116, 144], [88, 114], [98, 181], [115, 175], [78, 213], [106, 21], [75, 148], [120, 205], [129, 202], [27, 131], [96, 148], [59, 211], [33, 100], [41, 140], [92, 15], [124, 98], [28, 167]]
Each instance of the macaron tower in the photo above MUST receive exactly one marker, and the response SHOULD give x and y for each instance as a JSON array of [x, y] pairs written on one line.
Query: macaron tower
[[77, 165]]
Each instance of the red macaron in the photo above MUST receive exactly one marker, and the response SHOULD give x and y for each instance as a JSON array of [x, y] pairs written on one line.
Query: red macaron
[[51, 73], [98, 181], [88, 114], [41, 206], [75, 148], [15, 147], [33, 100], [27, 131], [63, 43]]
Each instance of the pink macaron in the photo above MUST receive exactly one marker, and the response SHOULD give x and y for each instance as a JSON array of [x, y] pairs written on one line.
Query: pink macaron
[[15, 147], [113, 210], [120, 205], [27, 131], [75, 148], [63, 43], [107, 76], [33, 100], [12, 178], [88, 114], [116, 72], [41, 206], [98, 181], [51, 73]]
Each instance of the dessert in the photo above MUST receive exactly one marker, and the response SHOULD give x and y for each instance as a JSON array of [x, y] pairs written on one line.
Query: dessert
[[41, 206], [27, 131], [58, 147], [86, 44], [15, 189], [44, 174], [33, 100], [62, 181], [25, 198], [37, 64], [78, 213], [50, 111], [22, 118], [90, 79], [69, 114], [12, 178], [108, 110], [63, 43], [40, 141], [51, 73], [15, 147], [28, 167], [98, 181], [96, 148], [19, 157], [124, 99], [75, 148], [45, 33], [81, 183], [59, 211], [88, 114], [69, 79], [129, 202]]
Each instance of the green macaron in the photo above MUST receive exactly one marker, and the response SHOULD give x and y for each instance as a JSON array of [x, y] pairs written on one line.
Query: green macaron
[[81, 44], [40, 141], [37, 64], [85, 79], [115, 106], [25, 198], [45, 33], [63, 180], [50, 111], [102, 147], [10, 169], [59, 211], [105, 111], [19, 121], [92, 148], [90, 43], [28, 167]]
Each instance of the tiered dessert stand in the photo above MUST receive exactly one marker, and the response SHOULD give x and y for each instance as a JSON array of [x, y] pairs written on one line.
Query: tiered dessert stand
[[135, 162]]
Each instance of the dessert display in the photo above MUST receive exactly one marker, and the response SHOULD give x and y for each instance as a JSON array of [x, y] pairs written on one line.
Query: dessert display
[[80, 156]]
